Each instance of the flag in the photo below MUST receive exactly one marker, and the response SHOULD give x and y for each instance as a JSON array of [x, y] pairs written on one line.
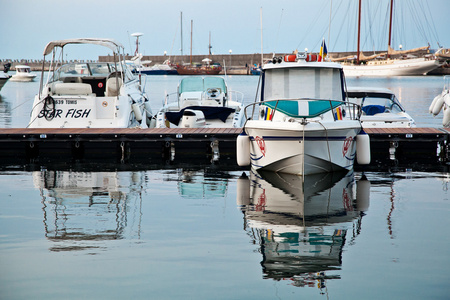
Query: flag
[[323, 51]]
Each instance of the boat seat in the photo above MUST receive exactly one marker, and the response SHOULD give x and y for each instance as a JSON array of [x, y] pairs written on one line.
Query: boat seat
[[112, 89], [72, 79], [71, 88]]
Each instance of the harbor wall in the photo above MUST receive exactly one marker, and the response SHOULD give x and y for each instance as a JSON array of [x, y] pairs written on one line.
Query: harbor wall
[[234, 63]]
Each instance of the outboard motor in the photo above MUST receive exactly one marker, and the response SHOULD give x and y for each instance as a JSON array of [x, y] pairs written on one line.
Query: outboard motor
[[192, 119]]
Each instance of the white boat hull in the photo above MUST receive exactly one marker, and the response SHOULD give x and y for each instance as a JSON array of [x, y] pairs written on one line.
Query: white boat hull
[[406, 67], [293, 148]]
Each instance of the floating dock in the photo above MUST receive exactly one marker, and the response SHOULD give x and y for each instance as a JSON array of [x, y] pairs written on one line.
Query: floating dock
[[389, 146]]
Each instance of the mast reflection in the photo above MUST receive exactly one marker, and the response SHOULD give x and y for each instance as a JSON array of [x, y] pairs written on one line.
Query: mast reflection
[[82, 208], [301, 224]]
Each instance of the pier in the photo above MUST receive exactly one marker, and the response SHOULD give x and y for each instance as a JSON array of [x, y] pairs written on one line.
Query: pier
[[389, 146]]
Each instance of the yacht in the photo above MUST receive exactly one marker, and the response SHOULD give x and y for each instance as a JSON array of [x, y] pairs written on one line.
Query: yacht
[[89, 94]]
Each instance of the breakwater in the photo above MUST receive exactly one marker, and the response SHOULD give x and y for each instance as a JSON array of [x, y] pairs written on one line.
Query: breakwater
[[233, 63]]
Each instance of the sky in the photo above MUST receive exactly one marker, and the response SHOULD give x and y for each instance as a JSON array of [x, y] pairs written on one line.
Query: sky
[[28, 25]]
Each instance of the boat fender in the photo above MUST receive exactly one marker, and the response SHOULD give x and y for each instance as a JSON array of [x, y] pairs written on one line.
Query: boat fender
[[148, 113], [362, 194], [137, 112], [446, 118], [430, 109], [243, 191], [243, 150], [363, 148], [437, 104]]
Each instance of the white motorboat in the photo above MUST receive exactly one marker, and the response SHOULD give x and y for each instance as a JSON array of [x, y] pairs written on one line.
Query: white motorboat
[[306, 125], [23, 73], [4, 76], [89, 95], [380, 108], [202, 102], [442, 101]]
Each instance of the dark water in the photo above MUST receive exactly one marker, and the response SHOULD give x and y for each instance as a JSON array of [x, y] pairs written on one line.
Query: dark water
[[210, 233]]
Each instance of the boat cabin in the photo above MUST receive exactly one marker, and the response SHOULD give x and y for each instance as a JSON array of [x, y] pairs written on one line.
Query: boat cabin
[[301, 89]]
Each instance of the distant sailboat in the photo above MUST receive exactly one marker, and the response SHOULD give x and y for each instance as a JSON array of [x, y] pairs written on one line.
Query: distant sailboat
[[204, 68], [377, 65]]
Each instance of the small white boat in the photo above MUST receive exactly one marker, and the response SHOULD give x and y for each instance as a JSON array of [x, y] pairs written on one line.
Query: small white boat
[[442, 101], [202, 102], [23, 73], [380, 108], [4, 76], [89, 95], [306, 125]]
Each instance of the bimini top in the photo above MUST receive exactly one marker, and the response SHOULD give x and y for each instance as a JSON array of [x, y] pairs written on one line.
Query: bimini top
[[110, 43]]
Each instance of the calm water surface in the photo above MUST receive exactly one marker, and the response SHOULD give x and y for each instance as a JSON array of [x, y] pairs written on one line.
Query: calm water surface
[[211, 233]]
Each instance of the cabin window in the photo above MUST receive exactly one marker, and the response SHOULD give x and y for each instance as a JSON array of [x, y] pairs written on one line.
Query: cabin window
[[294, 83]]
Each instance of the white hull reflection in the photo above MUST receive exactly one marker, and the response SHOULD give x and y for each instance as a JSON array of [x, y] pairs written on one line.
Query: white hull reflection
[[302, 223]]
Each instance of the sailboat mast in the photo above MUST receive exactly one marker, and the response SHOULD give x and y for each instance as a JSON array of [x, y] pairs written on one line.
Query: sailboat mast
[[209, 47], [190, 60], [181, 24], [390, 26], [359, 31]]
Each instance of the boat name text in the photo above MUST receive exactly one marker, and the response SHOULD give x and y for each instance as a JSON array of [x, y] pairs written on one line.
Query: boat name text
[[59, 113]]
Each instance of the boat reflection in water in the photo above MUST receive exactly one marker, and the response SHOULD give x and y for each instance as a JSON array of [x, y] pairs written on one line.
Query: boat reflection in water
[[82, 209], [302, 223], [202, 184]]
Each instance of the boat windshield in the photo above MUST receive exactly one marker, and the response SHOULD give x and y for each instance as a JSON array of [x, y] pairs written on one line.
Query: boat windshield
[[309, 83], [199, 84], [83, 70], [373, 103]]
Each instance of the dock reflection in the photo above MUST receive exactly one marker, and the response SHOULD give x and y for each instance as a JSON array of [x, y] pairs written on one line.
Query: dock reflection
[[82, 208], [301, 224]]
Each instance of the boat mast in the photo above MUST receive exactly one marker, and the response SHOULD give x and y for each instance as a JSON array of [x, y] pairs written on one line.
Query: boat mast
[[359, 31], [260, 17], [390, 27], [181, 24], [210, 47], [190, 60]]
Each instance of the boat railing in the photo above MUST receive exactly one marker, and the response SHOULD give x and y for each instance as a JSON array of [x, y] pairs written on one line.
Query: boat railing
[[353, 109], [236, 96], [168, 97]]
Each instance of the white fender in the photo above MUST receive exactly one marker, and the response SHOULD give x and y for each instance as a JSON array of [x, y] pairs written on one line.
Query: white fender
[[137, 111], [243, 150], [446, 118], [430, 109], [438, 104], [243, 190], [148, 114], [362, 194], [363, 148]]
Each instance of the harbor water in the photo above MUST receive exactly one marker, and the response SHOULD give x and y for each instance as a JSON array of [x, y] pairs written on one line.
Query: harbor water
[[216, 232]]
